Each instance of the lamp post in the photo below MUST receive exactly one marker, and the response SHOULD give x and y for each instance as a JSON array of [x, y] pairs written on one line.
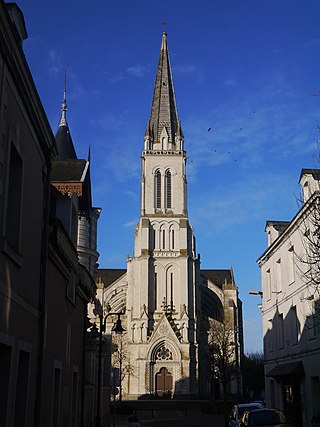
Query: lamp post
[[118, 329]]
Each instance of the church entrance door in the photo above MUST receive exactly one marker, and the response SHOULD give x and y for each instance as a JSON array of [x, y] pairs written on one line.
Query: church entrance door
[[164, 383]]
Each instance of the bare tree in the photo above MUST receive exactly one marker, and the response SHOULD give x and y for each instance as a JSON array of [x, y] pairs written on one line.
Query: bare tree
[[120, 359], [221, 349], [253, 374]]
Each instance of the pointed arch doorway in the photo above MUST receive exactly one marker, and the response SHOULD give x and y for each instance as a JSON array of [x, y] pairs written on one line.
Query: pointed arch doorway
[[164, 382]]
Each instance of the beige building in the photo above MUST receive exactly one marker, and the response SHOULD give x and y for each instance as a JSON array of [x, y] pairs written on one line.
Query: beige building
[[167, 299], [47, 251], [290, 308]]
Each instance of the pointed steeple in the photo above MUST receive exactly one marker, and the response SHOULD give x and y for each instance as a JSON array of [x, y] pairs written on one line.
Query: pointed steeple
[[63, 136], [164, 110]]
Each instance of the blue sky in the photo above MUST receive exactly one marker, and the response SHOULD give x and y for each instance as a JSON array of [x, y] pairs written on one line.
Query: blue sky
[[246, 69]]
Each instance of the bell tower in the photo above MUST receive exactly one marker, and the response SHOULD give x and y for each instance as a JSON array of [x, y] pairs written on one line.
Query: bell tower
[[161, 275]]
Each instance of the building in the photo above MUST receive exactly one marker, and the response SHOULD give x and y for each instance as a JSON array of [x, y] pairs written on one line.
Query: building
[[167, 299], [290, 308], [47, 254], [72, 263], [26, 147]]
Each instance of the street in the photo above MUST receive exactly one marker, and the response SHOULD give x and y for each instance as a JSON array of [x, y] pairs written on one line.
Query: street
[[189, 417]]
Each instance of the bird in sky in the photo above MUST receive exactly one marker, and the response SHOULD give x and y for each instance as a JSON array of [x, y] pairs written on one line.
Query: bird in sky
[[209, 129]]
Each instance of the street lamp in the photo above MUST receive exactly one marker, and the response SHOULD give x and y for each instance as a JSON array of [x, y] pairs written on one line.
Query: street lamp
[[118, 329], [255, 292]]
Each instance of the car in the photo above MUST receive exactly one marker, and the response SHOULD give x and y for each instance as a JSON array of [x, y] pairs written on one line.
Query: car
[[238, 410], [261, 401], [263, 418]]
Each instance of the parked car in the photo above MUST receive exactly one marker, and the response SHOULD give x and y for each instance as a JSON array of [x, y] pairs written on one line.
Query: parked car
[[261, 401], [238, 410], [263, 418]]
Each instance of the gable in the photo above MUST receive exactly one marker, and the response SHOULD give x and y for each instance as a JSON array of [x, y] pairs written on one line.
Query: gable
[[164, 329]]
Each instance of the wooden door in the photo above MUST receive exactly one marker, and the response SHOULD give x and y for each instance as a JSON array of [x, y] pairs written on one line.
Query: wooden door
[[164, 383]]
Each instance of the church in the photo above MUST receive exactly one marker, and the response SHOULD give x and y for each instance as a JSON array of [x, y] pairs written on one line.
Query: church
[[168, 301]]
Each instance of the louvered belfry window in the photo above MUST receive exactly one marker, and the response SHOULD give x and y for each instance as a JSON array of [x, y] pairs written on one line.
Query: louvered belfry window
[[158, 189], [168, 190]]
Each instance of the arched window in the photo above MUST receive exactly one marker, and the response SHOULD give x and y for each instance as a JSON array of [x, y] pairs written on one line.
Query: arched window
[[158, 189], [168, 189]]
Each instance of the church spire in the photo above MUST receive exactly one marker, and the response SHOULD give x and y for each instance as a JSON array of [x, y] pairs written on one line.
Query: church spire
[[63, 136], [164, 115]]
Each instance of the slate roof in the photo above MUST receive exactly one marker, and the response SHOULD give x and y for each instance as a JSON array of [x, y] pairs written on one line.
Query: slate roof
[[218, 277], [67, 170], [63, 137], [278, 225], [314, 172], [110, 275], [64, 143]]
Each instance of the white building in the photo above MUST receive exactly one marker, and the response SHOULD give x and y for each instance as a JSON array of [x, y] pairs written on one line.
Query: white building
[[290, 313], [166, 297]]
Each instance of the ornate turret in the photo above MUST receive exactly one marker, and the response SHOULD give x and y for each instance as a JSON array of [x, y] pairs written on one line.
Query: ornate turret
[[63, 136]]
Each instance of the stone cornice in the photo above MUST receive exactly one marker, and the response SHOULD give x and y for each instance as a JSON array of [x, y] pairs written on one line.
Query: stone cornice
[[165, 254], [164, 153], [89, 251], [161, 215], [292, 227]]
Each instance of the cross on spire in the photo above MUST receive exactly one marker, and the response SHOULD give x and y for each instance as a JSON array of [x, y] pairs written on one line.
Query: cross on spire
[[164, 23]]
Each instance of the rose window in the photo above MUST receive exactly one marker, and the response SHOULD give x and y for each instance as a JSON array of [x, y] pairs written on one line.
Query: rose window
[[163, 353]]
